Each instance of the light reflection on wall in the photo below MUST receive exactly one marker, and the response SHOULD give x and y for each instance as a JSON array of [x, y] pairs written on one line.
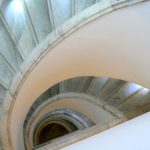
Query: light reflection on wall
[[17, 6], [145, 91], [136, 87], [15, 16]]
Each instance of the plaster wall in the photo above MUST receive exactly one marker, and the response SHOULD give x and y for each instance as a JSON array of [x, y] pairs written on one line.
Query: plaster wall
[[131, 135]]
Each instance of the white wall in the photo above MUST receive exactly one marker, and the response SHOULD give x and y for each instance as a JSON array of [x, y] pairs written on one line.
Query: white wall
[[132, 135]]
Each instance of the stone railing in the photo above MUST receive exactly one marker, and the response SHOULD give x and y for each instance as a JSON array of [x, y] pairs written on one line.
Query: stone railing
[[77, 136]]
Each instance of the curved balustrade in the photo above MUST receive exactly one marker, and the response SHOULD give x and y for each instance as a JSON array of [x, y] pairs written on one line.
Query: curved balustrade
[[25, 23]]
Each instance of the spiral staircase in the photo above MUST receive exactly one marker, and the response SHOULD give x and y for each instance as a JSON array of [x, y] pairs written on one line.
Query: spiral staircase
[[29, 27], [24, 24]]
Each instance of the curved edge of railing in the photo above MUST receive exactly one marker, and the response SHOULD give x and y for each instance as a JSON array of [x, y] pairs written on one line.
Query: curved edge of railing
[[77, 136], [45, 47]]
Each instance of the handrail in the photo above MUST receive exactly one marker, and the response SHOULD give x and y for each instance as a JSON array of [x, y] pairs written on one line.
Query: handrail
[[77, 136]]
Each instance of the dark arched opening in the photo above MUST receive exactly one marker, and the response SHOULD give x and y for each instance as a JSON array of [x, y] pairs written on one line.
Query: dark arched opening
[[51, 131]]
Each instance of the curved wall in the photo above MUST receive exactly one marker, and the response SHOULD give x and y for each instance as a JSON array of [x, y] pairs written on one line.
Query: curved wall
[[115, 45], [131, 135]]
